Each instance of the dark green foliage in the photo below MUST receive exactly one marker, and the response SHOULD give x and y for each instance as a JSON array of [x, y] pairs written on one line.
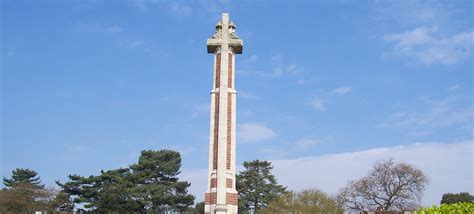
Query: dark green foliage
[[62, 202], [23, 176], [450, 198], [200, 207], [150, 185], [197, 209], [257, 186]]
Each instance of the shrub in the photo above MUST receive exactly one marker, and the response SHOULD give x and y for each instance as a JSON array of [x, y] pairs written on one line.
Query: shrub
[[457, 208]]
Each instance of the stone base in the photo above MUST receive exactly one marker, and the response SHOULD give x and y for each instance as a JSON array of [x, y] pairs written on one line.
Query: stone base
[[229, 209]]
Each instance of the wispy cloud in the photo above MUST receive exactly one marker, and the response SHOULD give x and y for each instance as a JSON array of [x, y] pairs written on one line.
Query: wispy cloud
[[276, 67], [454, 87], [306, 143], [73, 151], [410, 12], [427, 46], [438, 114], [99, 28], [342, 90], [201, 109], [77, 148], [317, 103], [253, 133], [132, 43], [180, 9], [247, 95], [140, 4], [428, 37]]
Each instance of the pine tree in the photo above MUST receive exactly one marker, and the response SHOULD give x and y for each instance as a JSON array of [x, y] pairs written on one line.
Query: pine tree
[[23, 176], [257, 186], [151, 185]]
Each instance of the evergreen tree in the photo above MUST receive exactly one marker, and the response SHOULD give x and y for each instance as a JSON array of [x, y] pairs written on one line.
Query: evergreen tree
[[150, 185], [257, 187], [23, 176]]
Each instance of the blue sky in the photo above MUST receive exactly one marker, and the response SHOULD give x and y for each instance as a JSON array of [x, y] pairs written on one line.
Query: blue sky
[[86, 85]]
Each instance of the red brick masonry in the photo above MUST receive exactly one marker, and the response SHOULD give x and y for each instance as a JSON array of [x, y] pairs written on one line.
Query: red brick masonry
[[231, 198], [218, 70], [228, 183], [229, 68], [216, 131], [229, 130]]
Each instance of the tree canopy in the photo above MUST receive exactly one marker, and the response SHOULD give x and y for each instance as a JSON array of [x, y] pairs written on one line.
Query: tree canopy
[[257, 186], [23, 176], [24, 192], [306, 201], [150, 185], [388, 186], [450, 198]]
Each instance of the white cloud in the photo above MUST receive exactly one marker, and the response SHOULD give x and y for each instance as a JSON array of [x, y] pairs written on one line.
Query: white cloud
[[449, 166], [77, 148], [318, 103], [140, 4], [132, 43], [427, 46], [274, 152], [277, 67], [454, 88], [113, 29], [97, 28], [342, 90], [253, 132], [180, 9], [410, 12], [246, 95], [439, 114], [306, 143], [201, 109], [440, 161]]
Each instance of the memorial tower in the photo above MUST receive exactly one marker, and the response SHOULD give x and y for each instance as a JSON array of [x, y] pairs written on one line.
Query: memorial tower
[[221, 195]]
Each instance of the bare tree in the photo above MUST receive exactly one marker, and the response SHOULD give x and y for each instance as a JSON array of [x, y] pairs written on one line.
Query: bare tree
[[387, 187]]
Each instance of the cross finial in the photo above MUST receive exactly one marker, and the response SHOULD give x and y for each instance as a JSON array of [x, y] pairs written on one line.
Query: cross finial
[[224, 35]]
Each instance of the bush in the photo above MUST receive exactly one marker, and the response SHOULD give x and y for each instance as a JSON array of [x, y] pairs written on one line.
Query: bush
[[457, 208]]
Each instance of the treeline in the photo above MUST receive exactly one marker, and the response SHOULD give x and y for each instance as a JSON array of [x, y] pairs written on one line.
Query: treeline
[[152, 186]]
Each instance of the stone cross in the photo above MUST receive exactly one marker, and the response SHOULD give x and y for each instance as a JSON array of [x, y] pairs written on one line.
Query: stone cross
[[221, 195]]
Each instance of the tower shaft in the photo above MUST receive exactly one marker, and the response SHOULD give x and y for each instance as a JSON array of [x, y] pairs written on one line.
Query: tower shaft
[[221, 196]]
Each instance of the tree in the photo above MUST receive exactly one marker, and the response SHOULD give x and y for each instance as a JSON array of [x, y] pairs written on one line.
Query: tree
[[23, 176], [257, 186], [199, 207], [306, 201], [450, 198], [22, 198], [156, 174], [62, 202], [24, 192], [387, 187], [150, 185]]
